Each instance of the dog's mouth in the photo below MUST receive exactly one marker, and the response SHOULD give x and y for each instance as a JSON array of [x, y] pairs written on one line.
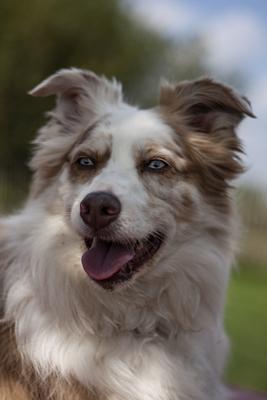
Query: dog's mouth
[[111, 263]]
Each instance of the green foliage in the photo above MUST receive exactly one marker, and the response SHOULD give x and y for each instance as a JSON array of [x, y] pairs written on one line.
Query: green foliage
[[253, 209], [246, 320], [39, 37]]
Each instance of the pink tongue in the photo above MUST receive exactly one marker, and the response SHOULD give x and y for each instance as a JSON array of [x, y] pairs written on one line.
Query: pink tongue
[[104, 259]]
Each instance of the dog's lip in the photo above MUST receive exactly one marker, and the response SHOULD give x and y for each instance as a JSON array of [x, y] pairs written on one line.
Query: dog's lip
[[141, 251]]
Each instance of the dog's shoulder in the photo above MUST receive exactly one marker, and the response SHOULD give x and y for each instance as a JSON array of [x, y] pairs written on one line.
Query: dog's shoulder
[[19, 381], [11, 386]]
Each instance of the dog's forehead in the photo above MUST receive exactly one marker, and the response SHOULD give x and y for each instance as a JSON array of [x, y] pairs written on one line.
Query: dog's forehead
[[127, 133], [136, 126], [128, 127]]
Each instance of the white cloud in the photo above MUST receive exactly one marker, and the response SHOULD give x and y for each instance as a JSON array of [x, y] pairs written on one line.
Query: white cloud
[[168, 17], [235, 42]]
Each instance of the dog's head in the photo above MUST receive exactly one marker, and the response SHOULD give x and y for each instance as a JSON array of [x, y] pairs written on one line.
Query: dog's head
[[137, 183]]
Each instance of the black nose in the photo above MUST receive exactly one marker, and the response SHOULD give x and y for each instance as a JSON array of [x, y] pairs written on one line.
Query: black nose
[[99, 209]]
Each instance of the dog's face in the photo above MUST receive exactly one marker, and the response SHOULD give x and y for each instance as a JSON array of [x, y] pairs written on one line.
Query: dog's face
[[136, 183], [123, 193]]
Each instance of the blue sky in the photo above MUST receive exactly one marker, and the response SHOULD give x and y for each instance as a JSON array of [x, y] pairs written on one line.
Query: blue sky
[[234, 33], [211, 7]]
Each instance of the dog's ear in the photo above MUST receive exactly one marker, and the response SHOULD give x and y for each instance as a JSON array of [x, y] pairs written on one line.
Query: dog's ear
[[81, 95], [205, 113], [204, 105]]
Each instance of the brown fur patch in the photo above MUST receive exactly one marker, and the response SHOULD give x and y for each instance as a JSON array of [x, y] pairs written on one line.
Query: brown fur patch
[[167, 152], [204, 114], [162, 184], [53, 147], [201, 104], [80, 94], [18, 380], [83, 174]]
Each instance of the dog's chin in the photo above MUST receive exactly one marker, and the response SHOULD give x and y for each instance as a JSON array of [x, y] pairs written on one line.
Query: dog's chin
[[112, 264]]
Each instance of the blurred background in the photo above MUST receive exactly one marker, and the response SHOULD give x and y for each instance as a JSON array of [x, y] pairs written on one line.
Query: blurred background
[[140, 41]]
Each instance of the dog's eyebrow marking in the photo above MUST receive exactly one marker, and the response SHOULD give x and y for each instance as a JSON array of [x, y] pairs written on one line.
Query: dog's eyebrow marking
[[84, 134], [167, 151], [89, 129]]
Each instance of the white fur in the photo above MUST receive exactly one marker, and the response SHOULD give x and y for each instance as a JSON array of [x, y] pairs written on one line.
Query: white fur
[[159, 338], [65, 325]]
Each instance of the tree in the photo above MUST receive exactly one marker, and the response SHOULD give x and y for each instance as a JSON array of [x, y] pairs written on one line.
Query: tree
[[39, 37]]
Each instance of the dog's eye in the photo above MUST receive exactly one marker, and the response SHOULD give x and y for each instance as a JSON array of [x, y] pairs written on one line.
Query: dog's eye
[[85, 162], [156, 165]]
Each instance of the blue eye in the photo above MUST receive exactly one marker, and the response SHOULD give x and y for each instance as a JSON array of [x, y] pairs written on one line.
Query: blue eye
[[85, 162], [156, 165]]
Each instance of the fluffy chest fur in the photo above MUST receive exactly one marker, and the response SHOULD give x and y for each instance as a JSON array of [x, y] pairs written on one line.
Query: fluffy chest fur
[[18, 379], [114, 273]]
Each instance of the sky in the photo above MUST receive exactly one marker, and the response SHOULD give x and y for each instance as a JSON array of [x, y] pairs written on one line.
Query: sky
[[234, 34]]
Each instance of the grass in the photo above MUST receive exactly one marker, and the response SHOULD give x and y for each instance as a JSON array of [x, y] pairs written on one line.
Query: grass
[[246, 323]]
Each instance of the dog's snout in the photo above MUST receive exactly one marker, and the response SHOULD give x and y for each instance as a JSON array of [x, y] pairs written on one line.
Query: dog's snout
[[99, 209]]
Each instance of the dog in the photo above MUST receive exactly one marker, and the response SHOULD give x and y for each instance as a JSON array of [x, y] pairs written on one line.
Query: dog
[[115, 271]]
